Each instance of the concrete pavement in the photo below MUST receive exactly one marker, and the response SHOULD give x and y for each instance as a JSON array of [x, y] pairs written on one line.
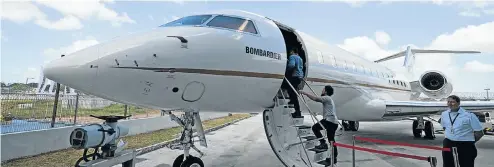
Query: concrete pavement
[[244, 144]]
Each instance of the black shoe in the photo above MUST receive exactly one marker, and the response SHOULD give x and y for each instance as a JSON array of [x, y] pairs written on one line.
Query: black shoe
[[322, 147]]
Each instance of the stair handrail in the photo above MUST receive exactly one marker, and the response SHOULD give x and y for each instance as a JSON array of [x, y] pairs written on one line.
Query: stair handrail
[[325, 136], [317, 95], [305, 151]]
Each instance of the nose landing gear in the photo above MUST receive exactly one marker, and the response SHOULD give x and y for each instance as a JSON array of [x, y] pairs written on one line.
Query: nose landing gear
[[190, 119]]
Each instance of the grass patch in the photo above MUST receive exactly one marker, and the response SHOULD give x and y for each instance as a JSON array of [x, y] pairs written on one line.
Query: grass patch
[[44, 110], [68, 157]]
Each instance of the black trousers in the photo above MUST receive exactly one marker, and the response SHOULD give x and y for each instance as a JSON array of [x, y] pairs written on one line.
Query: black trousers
[[330, 131], [467, 152], [295, 82]]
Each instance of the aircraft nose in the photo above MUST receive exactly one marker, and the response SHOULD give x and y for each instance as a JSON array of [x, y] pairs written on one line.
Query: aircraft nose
[[74, 70]]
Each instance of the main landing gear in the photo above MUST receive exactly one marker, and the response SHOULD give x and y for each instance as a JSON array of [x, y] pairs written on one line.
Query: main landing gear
[[420, 125], [350, 125], [190, 119]]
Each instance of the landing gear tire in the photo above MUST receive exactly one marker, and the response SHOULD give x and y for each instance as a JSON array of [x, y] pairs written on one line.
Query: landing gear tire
[[345, 125], [429, 130], [354, 125], [350, 125], [191, 161], [416, 132]]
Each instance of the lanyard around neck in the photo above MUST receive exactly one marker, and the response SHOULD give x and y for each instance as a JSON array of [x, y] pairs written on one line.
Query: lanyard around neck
[[453, 121]]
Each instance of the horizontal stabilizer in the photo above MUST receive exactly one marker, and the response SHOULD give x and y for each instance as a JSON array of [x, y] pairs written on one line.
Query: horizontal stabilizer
[[413, 51]]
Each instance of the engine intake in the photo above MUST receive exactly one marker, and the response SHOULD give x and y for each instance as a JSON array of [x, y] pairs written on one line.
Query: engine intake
[[435, 84], [433, 81]]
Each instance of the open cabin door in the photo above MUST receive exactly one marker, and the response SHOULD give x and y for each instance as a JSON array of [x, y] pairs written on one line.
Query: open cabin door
[[293, 40]]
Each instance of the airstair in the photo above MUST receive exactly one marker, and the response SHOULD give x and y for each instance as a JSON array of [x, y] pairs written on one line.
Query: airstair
[[291, 139]]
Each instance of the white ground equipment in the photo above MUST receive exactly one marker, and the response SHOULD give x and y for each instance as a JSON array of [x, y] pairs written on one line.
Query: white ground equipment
[[104, 137]]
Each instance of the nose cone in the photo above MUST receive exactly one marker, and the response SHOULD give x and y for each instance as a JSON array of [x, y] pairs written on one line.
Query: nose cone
[[75, 70]]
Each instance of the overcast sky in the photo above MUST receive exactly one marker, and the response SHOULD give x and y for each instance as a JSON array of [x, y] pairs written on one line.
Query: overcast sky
[[35, 32]]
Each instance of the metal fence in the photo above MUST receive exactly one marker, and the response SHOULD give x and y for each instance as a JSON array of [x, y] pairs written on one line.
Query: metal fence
[[26, 112]]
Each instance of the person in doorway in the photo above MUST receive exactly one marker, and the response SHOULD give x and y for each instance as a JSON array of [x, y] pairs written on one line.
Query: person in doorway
[[329, 121], [295, 75], [462, 130]]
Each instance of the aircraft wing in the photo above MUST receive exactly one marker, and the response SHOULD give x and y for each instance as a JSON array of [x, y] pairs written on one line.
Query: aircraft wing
[[418, 108]]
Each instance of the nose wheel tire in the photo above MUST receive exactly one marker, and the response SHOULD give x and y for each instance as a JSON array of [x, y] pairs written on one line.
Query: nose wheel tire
[[416, 132], [191, 161]]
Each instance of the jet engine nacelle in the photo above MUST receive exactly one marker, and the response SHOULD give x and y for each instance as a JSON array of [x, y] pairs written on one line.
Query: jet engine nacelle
[[434, 84]]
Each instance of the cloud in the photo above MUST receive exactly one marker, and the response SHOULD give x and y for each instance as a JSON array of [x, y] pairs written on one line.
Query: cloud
[[24, 11], [181, 2], [473, 8], [476, 66], [382, 38], [151, 17], [52, 54], [473, 37], [469, 14], [66, 23], [86, 9], [21, 12]]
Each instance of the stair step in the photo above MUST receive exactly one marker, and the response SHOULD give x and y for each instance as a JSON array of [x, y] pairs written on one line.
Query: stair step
[[318, 156], [325, 163], [298, 121], [305, 132], [303, 127], [289, 106], [309, 137], [317, 150]]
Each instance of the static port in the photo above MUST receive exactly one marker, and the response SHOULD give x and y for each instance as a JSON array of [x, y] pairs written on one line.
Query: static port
[[175, 89]]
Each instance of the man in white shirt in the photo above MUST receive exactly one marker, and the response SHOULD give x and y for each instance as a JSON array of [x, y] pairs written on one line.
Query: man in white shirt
[[329, 121], [462, 130]]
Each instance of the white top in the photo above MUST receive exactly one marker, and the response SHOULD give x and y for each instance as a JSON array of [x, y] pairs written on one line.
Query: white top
[[463, 127], [328, 109]]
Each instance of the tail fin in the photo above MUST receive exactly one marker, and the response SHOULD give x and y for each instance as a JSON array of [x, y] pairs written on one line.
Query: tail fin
[[410, 56], [409, 59]]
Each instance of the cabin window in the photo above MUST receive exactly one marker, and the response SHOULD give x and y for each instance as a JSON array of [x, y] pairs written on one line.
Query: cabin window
[[333, 60], [327, 59], [188, 20], [319, 57], [233, 23]]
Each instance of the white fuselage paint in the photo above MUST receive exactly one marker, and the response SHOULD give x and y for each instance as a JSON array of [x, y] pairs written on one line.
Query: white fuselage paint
[[214, 72]]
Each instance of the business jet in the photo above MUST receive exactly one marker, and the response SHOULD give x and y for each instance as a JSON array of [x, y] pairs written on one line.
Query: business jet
[[235, 61]]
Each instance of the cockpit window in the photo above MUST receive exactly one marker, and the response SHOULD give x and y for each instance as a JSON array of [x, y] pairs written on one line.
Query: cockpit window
[[188, 20], [233, 23]]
